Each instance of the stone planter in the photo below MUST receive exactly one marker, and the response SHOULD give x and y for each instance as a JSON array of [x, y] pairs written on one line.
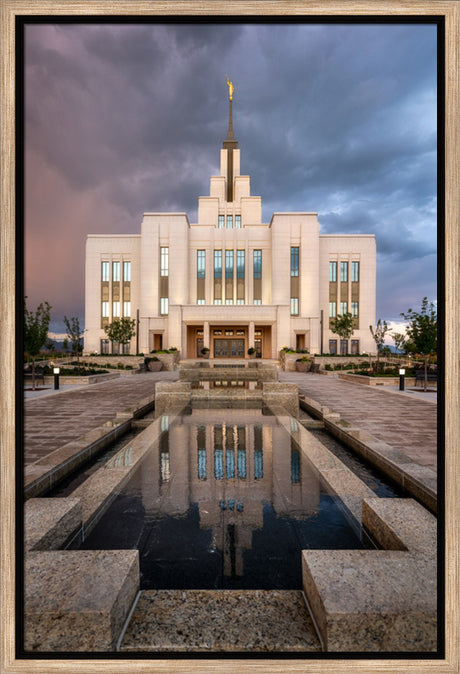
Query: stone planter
[[205, 354], [155, 365], [303, 366]]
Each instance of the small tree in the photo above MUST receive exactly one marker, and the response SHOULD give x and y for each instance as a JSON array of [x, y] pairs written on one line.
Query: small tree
[[400, 341], [36, 327], [378, 334], [122, 330], [343, 326], [422, 332], [74, 334]]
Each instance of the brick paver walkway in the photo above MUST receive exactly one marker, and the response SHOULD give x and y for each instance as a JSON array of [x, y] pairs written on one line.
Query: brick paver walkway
[[404, 422], [54, 420]]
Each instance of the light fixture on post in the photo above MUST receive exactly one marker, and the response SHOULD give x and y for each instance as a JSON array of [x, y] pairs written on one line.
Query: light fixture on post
[[56, 378], [402, 372]]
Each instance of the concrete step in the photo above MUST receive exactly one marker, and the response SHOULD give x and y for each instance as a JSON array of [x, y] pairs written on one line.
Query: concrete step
[[220, 621]]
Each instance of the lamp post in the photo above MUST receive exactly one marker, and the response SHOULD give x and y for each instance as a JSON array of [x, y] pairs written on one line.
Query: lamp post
[[56, 378], [402, 372]]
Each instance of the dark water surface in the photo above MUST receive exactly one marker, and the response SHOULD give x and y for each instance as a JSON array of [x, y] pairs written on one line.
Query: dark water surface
[[226, 500]]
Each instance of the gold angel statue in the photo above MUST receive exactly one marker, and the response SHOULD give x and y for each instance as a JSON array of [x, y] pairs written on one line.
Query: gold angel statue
[[230, 88]]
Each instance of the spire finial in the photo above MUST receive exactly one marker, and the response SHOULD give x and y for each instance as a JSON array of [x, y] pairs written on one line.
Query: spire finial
[[230, 89]]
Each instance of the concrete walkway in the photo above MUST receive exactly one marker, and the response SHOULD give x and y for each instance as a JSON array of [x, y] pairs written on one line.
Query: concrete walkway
[[406, 421], [57, 417]]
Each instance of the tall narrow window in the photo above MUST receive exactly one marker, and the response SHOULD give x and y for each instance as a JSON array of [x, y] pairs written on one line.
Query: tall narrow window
[[105, 309], [164, 280], [257, 274], [105, 271], [295, 287], [240, 273], [257, 264], [218, 264], [240, 263], [116, 309], [115, 271], [127, 309], [217, 277], [355, 272], [343, 308], [332, 309], [237, 221], [164, 261], [332, 272], [229, 277], [200, 276], [355, 309], [201, 263], [221, 221], [294, 306], [126, 272], [344, 272], [295, 261], [229, 221], [229, 264]]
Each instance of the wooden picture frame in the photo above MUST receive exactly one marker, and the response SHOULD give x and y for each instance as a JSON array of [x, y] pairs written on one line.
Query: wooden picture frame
[[10, 9]]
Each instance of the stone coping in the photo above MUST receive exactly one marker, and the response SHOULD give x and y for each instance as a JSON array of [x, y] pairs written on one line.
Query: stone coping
[[338, 480], [78, 600], [221, 621], [418, 481], [378, 600], [228, 374], [44, 473]]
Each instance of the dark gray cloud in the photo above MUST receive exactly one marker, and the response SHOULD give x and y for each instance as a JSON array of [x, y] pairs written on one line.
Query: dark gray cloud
[[338, 119]]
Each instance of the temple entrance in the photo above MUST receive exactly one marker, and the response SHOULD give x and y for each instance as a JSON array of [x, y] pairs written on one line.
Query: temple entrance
[[228, 341], [229, 348]]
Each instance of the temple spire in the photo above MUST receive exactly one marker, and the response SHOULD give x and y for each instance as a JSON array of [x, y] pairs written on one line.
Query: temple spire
[[230, 143]]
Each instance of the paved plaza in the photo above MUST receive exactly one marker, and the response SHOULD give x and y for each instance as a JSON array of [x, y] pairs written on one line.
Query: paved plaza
[[54, 418], [406, 421]]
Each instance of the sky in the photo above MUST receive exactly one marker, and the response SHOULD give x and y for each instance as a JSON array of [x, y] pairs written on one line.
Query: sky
[[121, 119]]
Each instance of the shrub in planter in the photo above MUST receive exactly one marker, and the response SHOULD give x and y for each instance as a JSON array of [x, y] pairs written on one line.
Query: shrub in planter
[[303, 364], [153, 364], [205, 352], [251, 352]]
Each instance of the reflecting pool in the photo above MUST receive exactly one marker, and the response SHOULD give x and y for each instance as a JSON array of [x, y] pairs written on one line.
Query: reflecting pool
[[224, 499]]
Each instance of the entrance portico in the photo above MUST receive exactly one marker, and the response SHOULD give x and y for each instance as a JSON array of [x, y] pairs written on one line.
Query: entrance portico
[[229, 340]]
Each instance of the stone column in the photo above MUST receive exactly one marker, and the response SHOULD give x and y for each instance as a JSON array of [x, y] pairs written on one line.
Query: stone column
[[251, 334], [206, 336]]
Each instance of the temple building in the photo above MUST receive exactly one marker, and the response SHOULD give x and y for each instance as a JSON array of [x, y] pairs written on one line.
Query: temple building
[[230, 281]]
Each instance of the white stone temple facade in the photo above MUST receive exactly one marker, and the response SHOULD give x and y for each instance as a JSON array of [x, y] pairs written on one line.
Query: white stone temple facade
[[230, 281]]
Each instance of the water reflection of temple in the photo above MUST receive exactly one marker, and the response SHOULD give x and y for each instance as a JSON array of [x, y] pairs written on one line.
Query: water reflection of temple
[[231, 464]]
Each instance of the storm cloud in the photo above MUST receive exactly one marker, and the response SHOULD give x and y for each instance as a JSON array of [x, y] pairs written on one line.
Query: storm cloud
[[126, 118]]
